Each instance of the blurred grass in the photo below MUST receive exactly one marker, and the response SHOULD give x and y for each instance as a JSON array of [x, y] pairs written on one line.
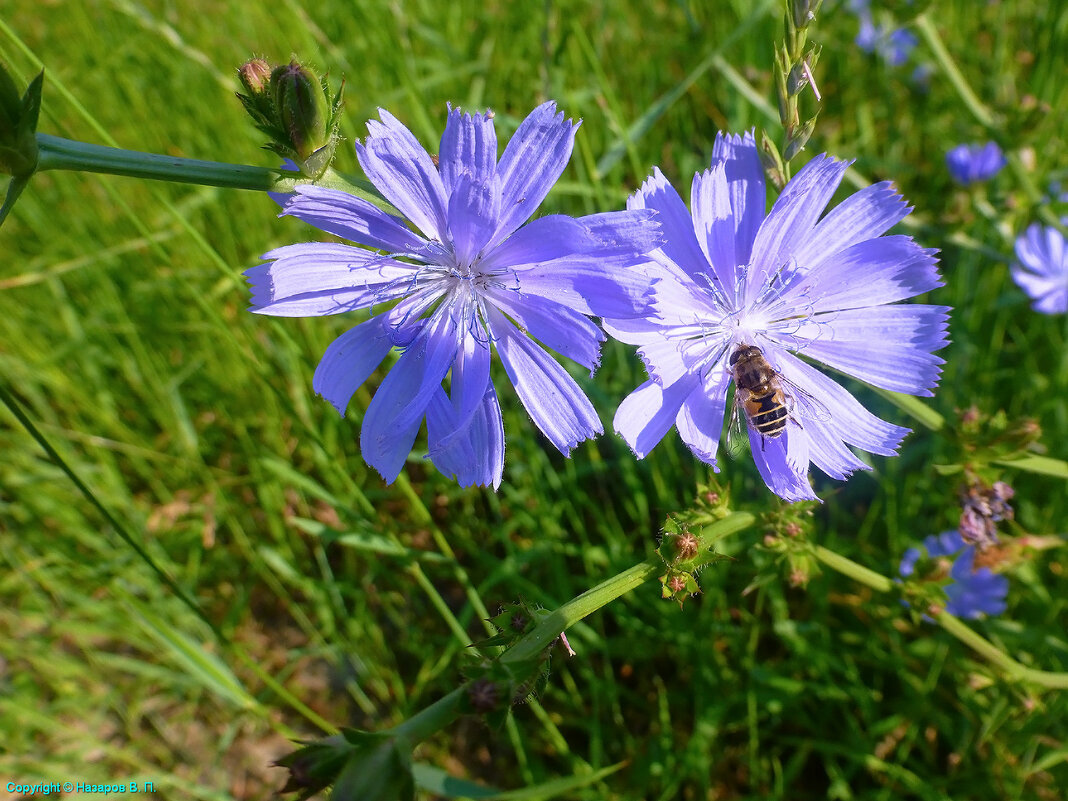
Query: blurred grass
[[123, 331]]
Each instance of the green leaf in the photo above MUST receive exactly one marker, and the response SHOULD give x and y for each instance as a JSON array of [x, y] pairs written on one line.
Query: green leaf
[[1038, 464], [14, 189], [205, 668], [285, 471], [915, 408], [379, 770]]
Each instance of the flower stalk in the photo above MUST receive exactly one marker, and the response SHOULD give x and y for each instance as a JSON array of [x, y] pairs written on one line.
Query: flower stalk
[[793, 72], [1009, 666], [983, 115], [57, 153]]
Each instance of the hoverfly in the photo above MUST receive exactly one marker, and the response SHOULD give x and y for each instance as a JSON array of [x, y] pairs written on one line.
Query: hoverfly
[[764, 399]]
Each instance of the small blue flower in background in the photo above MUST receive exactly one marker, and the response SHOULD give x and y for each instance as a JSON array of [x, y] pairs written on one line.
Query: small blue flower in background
[[899, 46], [786, 282], [969, 164], [470, 278], [971, 591], [894, 46], [1042, 271]]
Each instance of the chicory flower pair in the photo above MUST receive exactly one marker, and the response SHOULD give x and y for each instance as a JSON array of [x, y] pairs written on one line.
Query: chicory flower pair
[[688, 290]]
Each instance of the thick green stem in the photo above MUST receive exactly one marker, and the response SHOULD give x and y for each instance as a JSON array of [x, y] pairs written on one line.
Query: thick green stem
[[848, 567], [976, 642], [554, 624], [432, 719], [57, 153]]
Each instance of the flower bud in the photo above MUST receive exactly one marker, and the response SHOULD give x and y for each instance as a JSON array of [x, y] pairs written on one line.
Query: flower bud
[[255, 76], [316, 765], [303, 108], [483, 695], [804, 11], [798, 138], [18, 125]]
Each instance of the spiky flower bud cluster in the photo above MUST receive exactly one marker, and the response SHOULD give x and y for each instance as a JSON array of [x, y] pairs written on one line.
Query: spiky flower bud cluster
[[688, 540], [294, 108]]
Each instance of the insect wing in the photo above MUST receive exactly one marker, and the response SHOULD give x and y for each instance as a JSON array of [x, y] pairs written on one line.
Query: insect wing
[[738, 428], [802, 404]]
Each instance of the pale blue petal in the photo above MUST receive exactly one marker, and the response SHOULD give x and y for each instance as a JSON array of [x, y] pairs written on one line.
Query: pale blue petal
[[864, 215], [700, 420], [635, 330], [531, 163], [473, 211], [618, 238], [1043, 250], [647, 414], [470, 372], [317, 278], [401, 169], [886, 346], [469, 145], [792, 219], [713, 222], [557, 327], [551, 396], [870, 273], [848, 418], [473, 453], [350, 360], [587, 285], [396, 412], [680, 246], [908, 562], [351, 218], [664, 360], [745, 178], [403, 320], [1043, 269], [828, 452], [1053, 301], [783, 463]]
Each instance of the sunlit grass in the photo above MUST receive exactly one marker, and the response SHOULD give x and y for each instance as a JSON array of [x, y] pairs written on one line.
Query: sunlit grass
[[123, 331]]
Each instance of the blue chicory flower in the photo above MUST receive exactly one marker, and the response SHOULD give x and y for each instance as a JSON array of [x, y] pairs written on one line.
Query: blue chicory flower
[[894, 46], [898, 46], [468, 279], [971, 591], [969, 164], [1042, 271], [869, 35], [786, 282]]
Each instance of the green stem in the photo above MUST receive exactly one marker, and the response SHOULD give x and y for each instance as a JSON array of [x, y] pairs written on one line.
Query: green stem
[[954, 626], [998, 657], [956, 77], [985, 117], [57, 153], [554, 624], [432, 719], [835, 561]]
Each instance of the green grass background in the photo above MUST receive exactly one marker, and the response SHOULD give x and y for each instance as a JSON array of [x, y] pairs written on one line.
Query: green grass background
[[123, 330]]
